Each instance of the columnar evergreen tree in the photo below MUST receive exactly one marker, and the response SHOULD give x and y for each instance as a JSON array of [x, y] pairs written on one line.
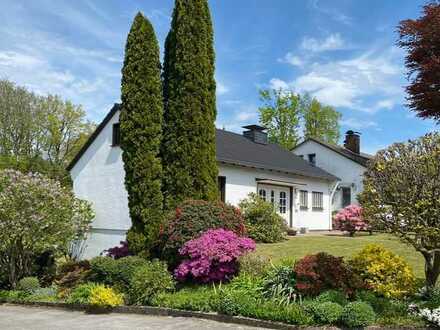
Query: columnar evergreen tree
[[188, 146], [141, 126]]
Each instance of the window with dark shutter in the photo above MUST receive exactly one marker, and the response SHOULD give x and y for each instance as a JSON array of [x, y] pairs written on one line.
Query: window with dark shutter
[[116, 138], [222, 188], [346, 196], [312, 159]]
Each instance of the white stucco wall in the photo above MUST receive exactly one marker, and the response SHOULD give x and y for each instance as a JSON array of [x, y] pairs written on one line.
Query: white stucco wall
[[98, 177], [350, 172]]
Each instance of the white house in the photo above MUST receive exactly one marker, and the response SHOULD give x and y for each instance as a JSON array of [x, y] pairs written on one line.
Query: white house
[[347, 163], [247, 163]]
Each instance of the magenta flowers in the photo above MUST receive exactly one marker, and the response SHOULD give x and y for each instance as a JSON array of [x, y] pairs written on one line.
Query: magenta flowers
[[213, 256], [350, 219]]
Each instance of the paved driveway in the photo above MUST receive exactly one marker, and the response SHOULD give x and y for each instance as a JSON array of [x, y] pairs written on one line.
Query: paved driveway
[[19, 317]]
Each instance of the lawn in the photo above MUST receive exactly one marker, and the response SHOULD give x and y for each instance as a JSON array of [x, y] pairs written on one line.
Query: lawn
[[299, 246]]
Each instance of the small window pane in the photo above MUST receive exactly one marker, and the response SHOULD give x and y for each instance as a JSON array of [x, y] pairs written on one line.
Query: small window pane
[[283, 202], [272, 197], [116, 138], [312, 159], [262, 194], [303, 200], [317, 201], [346, 196]]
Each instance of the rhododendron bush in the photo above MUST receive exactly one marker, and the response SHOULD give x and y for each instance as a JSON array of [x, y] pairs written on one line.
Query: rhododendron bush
[[350, 219], [213, 256]]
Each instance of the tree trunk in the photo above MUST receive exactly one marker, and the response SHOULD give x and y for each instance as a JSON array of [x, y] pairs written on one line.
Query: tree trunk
[[432, 268]]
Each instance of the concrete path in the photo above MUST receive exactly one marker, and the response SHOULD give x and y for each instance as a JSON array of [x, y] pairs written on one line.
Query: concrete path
[[19, 317]]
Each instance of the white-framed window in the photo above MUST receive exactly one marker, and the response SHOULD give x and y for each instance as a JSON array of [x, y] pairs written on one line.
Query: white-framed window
[[283, 202], [317, 201], [303, 199], [262, 193], [272, 197]]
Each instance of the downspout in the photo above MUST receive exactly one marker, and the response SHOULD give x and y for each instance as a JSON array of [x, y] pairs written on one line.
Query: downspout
[[332, 194]]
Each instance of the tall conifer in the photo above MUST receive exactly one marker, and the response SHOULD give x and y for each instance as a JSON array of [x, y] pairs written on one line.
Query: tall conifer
[[141, 127], [188, 146]]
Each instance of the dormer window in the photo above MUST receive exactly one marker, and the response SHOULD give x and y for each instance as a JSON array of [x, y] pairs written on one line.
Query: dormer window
[[312, 159], [116, 135]]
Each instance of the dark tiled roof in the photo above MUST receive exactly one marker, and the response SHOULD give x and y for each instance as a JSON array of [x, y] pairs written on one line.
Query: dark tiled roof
[[235, 149], [361, 158]]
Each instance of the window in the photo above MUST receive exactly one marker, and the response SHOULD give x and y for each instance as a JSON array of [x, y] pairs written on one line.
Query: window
[[303, 200], [346, 196], [302, 156], [317, 201], [262, 194], [272, 197], [312, 159], [283, 202], [222, 187], [116, 138]]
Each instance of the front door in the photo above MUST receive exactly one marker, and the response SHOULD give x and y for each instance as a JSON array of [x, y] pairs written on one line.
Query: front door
[[279, 196]]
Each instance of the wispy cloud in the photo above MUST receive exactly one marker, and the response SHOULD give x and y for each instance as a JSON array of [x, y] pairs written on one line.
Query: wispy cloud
[[332, 42], [291, 59], [355, 123], [334, 14]]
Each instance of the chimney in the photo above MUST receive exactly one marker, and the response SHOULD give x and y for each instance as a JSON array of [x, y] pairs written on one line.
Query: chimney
[[353, 141], [256, 134]]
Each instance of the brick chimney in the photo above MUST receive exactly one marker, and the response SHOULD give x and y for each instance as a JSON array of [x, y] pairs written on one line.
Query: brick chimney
[[256, 133], [353, 141]]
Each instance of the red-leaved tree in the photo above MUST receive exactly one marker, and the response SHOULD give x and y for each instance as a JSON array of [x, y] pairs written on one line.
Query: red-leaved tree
[[421, 39]]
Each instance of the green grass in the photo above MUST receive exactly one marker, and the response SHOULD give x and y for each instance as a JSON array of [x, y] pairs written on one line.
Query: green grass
[[299, 246]]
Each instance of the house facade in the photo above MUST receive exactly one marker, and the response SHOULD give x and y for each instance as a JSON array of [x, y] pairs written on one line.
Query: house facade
[[247, 164], [346, 162]]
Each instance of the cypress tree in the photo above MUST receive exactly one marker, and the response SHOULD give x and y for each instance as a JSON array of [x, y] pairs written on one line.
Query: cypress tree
[[188, 145], [141, 131]]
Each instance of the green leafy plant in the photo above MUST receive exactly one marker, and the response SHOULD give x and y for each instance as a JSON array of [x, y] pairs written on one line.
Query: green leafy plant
[[263, 223], [72, 273], [28, 284], [81, 294], [148, 281], [253, 264], [335, 296], [280, 284], [358, 314], [327, 312], [200, 298]]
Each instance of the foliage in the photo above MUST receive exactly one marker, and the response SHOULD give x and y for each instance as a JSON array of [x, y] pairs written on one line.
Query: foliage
[[350, 219], [34, 126], [383, 271], [149, 280], [400, 189], [253, 264], [71, 273], [81, 294], [188, 146], [141, 128], [28, 284], [327, 312], [213, 256], [118, 252], [247, 284], [418, 36], [280, 284], [200, 298], [320, 121], [358, 314], [101, 295], [38, 215], [116, 273], [191, 219], [281, 115], [12, 295], [263, 223], [334, 296], [319, 272]]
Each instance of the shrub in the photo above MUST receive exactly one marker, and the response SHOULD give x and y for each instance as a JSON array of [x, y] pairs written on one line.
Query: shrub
[[71, 273], [116, 273], [148, 281], [253, 264], [263, 223], [201, 298], [319, 272], [334, 296], [248, 285], [118, 252], [101, 295], [280, 284], [48, 294], [37, 215], [327, 312], [350, 219], [81, 294], [28, 284], [386, 273], [358, 314], [192, 218], [213, 256]]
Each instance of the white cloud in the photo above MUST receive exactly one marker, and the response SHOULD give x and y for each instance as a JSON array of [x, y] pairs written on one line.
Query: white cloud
[[17, 60], [244, 115], [276, 83], [355, 123], [333, 42], [331, 12], [221, 88], [291, 59]]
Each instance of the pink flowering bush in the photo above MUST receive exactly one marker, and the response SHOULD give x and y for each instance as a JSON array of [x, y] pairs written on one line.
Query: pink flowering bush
[[350, 219], [213, 256]]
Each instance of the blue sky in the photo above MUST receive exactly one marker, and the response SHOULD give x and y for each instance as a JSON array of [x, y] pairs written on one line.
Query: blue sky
[[343, 52]]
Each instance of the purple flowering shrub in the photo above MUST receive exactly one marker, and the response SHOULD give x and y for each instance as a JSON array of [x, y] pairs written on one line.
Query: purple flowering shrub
[[350, 219], [119, 251], [213, 256]]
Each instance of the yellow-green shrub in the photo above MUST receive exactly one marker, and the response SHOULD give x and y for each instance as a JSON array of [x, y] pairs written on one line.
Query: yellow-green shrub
[[101, 295], [385, 272]]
